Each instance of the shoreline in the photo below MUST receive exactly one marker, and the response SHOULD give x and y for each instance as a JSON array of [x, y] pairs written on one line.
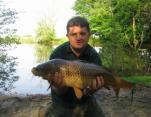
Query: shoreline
[[31, 105]]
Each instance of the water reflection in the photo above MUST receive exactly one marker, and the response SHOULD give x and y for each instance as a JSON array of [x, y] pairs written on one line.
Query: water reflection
[[7, 71], [27, 57], [42, 52]]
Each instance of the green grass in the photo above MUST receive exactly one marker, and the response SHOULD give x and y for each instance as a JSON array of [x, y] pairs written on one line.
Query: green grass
[[143, 80]]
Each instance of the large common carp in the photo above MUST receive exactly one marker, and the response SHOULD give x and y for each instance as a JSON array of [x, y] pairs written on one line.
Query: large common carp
[[76, 74]]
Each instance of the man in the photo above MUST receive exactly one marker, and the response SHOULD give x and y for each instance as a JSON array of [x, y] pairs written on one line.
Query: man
[[64, 99]]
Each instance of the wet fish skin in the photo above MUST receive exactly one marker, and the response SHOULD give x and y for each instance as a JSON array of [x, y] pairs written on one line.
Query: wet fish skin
[[76, 74], [71, 70]]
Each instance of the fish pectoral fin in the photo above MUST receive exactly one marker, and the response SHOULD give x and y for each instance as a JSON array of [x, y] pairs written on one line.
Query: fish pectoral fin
[[78, 92]]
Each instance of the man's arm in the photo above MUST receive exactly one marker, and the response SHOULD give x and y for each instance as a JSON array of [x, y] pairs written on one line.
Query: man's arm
[[99, 81], [59, 88], [57, 84], [96, 84]]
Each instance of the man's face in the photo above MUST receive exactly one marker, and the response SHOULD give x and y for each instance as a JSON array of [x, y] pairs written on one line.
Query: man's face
[[78, 36]]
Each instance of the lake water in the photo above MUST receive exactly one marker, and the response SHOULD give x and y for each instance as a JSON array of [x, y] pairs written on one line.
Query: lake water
[[29, 56]]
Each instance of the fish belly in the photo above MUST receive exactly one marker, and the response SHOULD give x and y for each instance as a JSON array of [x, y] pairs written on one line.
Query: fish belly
[[77, 81]]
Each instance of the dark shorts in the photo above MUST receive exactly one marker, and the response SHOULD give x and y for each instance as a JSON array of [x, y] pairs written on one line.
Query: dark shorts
[[89, 108]]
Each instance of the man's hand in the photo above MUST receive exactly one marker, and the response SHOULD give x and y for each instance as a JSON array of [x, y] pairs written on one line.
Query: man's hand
[[57, 80], [57, 84], [95, 85]]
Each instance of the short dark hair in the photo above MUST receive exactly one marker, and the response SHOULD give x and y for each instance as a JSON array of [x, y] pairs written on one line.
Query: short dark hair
[[78, 21]]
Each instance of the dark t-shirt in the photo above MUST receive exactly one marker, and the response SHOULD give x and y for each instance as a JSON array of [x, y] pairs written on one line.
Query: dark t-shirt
[[64, 52]]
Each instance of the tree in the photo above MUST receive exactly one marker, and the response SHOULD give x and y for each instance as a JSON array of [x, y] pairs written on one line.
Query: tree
[[7, 63], [121, 26], [7, 17], [7, 70], [127, 22], [45, 32]]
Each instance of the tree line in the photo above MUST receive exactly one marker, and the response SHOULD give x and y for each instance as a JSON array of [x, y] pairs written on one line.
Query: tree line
[[121, 27], [7, 63]]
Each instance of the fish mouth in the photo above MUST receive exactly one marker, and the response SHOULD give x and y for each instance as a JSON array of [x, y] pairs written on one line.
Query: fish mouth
[[37, 72], [34, 71]]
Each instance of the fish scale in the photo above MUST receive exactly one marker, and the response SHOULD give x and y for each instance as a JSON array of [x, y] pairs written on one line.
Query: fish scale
[[78, 75], [72, 75]]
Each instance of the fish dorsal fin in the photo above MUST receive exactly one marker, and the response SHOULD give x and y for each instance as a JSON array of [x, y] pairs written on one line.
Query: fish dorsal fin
[[78, 92], [83, 61]]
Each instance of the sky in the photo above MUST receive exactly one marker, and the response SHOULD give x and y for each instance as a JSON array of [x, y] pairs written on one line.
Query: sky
[[33, 11]]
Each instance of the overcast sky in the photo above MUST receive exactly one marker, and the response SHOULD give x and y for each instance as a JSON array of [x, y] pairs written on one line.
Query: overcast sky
[[32, 11]]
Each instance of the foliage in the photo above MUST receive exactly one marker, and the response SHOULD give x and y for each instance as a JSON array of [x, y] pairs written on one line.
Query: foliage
[[142, 80], [7, 18], [123, 61], [42, 52], [94, 41], [27, 39], [7, 63], [7, 70], [124, 21], [59, 41], [121, 26], [10, 39], [45, 32]]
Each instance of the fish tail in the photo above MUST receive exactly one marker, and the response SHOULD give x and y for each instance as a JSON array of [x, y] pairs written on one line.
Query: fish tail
[[132, 94], [116, 90], [117, 93]]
